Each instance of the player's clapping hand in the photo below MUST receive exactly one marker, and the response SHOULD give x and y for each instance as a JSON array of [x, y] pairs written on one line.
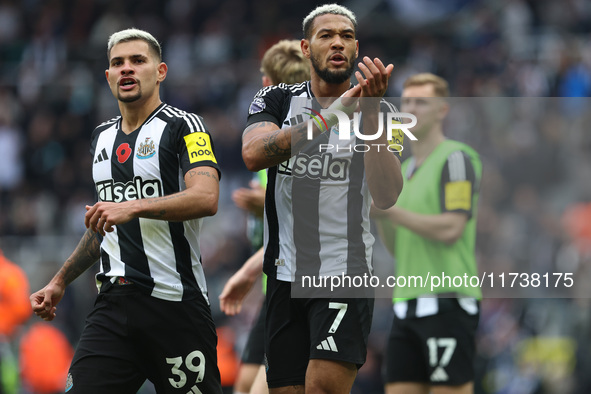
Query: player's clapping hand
[[374, 80]]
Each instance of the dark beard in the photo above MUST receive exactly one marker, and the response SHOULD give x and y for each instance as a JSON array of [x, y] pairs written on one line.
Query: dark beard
[[129, 99], [333, 77]]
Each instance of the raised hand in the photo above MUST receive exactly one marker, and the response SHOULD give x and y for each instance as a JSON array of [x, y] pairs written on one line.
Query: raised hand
[[375, 83]]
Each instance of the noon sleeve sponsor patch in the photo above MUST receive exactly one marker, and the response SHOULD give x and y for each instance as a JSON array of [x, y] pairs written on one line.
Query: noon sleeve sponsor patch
[[458, 195], [199, 147]]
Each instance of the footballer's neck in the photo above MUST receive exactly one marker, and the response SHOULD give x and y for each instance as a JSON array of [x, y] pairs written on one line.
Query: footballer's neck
[[134, 114], [326, 92], [426, 144]]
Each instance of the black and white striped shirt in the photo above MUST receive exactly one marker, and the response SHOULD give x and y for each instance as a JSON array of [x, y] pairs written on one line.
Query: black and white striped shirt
[[317, 202], [161, 257]]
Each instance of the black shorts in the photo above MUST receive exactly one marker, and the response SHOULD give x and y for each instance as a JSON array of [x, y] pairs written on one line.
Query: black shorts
[[254, 351], [437, 350], [130, 337], [300, 329]]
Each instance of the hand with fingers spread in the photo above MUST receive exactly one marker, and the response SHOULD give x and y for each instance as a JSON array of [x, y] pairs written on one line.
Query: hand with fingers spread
[[375, 83]]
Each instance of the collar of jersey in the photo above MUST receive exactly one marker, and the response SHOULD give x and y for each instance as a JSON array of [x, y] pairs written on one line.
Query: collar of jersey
[[309, 87], [148, 119]]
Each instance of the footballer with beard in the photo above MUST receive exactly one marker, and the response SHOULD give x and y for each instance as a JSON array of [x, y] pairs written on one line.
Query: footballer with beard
[[317, 206]]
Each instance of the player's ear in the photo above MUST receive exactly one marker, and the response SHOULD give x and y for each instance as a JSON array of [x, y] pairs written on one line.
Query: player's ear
[[162, 71], [107, 74], [305, 44], [443, 109], [356, 49]]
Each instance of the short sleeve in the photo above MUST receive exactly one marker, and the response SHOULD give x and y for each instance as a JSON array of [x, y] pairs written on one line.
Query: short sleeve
[[196, 147], [268, 105]]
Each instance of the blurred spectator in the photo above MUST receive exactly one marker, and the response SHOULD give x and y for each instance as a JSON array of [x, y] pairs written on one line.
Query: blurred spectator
[[15, 309], [45, 356], [11, 142], [228, 361]]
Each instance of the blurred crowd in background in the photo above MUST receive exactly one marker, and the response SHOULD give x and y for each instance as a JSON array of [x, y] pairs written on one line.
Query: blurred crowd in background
[[534, 212]]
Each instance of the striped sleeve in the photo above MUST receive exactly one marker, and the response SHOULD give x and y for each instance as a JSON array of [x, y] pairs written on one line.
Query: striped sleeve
[[195, 144]]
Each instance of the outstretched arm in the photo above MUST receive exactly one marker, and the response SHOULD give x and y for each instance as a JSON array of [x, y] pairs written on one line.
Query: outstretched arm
[[44, 302]]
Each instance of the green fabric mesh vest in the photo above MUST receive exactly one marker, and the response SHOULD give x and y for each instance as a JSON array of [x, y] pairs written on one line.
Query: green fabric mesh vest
[[421, 257]]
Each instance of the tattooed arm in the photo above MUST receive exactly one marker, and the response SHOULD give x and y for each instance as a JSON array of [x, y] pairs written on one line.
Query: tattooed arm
[[265, 145], [87, 252], [199, 199]]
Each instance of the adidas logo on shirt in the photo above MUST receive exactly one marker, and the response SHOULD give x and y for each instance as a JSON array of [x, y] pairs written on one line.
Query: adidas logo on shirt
[[328, 344], [102, 156]]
